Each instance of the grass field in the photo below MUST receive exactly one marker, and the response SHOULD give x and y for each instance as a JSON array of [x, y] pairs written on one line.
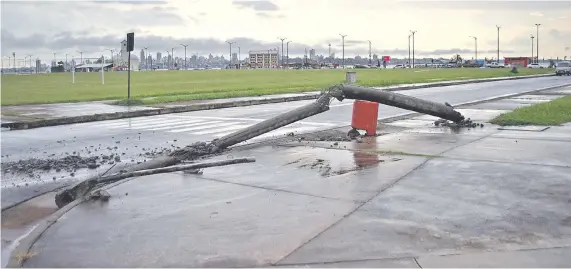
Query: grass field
[[555, 112], [171, 86]]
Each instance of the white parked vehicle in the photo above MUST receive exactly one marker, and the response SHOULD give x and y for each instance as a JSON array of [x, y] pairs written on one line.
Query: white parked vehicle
[[563, 68], [399, 66], [534, 66], [495, 65]]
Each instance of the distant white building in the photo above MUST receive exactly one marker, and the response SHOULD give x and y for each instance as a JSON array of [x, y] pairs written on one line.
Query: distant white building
[[123, 60]]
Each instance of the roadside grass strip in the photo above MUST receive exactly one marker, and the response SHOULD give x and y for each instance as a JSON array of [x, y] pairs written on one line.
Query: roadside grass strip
[[555, 112]]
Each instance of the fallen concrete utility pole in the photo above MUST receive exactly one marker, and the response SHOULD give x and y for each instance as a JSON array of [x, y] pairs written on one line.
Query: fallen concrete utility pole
[[341, 92], [319, 106], [69, 195]]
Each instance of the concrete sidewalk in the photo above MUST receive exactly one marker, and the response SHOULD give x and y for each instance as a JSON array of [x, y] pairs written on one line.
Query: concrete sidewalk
[[417, 195]]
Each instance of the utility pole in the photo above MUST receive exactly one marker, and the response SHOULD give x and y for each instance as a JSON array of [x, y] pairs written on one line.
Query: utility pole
[[184, 55], [239, 60], [409, 59], [330, 59], [29, 55], [172, 57], [370, 52], [65, 65], [146, 61], [498, 59], [169, 59], [81, 57], [287, 53], [475, 47], [532, 37], [413, 32], [343, 46], [282, 39], [55, 61], [230, 43], [537, 44]]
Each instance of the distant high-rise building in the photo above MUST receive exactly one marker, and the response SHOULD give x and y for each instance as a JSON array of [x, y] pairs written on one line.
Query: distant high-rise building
[[150, 60], [142, 56], [159, 56], [210, 57], [375, 57], [312, 55], [234, 57]]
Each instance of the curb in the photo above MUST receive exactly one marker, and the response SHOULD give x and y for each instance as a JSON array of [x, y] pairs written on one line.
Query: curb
[[23, 125], [27, 243]]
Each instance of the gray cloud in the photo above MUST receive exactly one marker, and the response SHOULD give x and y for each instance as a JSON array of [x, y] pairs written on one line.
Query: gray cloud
[[257, 5], [531, 6], [54, 16], [131, 2]]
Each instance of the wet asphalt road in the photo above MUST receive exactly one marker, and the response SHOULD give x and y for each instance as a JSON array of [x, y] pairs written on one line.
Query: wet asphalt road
[[128, 137]]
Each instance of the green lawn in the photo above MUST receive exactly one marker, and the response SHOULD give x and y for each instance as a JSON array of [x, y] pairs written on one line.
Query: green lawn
[[211, 84], [555, 112]]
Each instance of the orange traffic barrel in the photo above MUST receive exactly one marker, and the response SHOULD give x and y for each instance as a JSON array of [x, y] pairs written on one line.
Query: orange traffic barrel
[[365, 116]]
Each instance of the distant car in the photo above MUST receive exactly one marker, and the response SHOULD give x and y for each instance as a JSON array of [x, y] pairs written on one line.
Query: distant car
[[399, 66], [495, 65], [534, 66], [563, 68]]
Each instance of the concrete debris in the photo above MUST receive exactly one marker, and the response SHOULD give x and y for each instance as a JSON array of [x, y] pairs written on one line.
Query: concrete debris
[[100, 195], [467, 123]]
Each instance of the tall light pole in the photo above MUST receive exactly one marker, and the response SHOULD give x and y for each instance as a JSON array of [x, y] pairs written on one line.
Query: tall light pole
[[239, 60], [287, 52], [55, 61], [498, 59], [65, 65], [475, 47], [532, 37], [282, 39], [537, 41], [146, 61], [230, 43], [409, 59], [369, 52], [184, 54], [343, 46], [81, 53], [413, 32], [172, 57], [169, 59], [29, 55], [330, 59]]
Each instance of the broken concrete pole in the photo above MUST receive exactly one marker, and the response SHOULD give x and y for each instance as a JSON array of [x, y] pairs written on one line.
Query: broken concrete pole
[[319, 106], [68, 195], [397, 100]]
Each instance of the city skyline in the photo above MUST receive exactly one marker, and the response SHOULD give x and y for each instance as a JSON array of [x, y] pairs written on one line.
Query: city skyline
[[443, 28]]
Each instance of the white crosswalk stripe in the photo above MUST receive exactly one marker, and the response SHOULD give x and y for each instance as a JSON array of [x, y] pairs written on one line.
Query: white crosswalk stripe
[[206, 126]]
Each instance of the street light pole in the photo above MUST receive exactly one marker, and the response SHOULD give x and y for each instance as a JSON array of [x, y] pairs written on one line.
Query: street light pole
[[409, 59], [55, 61], [230, 43], [475, 47], [81, 53], [287, 53], [537, 44], [282, 55], [532, 37], [172, 57], [498, 60], [369, 52], [330, 59], [239, 60], [413, 32], [146, 61], [343, 46], [184, 55], [169, 59]]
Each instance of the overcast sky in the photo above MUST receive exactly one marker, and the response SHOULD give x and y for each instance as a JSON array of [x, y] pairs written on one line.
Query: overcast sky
[[444, 27]]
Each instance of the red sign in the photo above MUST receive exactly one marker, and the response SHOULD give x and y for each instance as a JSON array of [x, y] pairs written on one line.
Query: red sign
[[387, 58]]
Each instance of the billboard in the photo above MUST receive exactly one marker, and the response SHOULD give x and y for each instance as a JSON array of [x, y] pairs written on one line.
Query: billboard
[[387, 58]]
